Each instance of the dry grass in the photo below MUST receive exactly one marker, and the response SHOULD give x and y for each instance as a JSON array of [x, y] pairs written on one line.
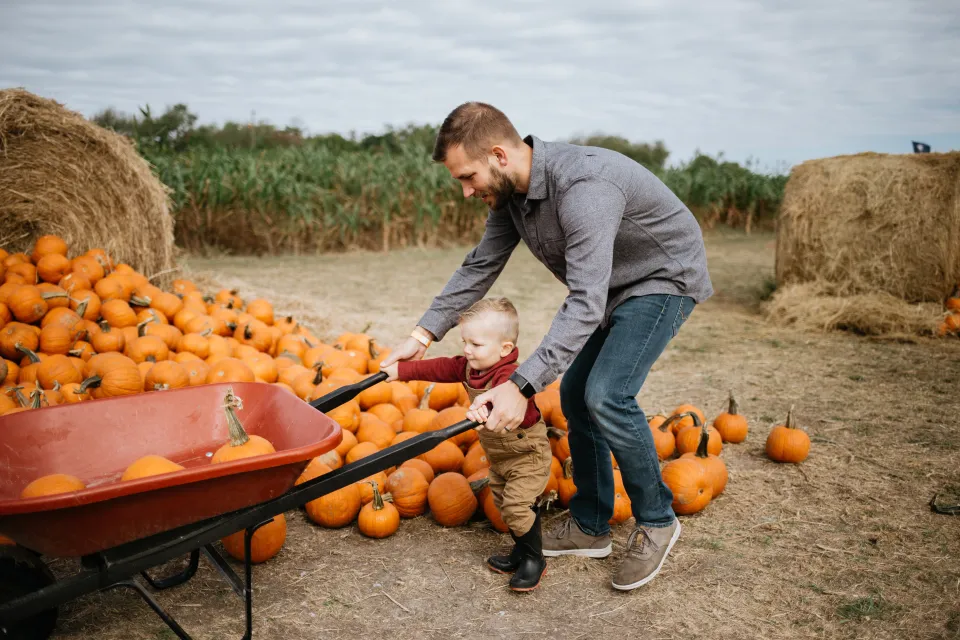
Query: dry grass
[[61, 174], [842, 546]]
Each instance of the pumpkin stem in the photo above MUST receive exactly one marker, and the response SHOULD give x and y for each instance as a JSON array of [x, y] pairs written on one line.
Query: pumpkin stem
[[477, 485], [377, 498], [789, 422], [317, 379], [309, 344], [568, 468], [374, 353], [549, 499], [104, 326], [734, 408], [35, 397], [140, 302], [206, 332], [81, 309], [247, 332], [704, 441], [670, 420], [18, 394], [34, 358], [366, 327], [232, 403], [425, 401], [92, 381], [46, 295], [142, 326]]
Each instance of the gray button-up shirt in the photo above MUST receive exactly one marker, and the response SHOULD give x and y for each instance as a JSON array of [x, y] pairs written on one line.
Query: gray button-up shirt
[[604, 225]]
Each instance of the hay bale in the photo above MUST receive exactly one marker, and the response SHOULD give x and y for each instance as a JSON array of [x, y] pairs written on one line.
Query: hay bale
[[62, 174], [869, 243], [871, 223]]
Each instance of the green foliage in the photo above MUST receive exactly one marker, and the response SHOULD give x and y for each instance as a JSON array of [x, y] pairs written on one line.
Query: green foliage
[[255, 187]]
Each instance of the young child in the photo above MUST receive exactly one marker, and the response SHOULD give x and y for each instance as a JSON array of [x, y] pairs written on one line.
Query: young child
[[519, 459]]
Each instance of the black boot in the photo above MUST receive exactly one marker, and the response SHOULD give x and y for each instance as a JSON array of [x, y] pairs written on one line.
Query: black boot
[[509, 563], [532, 563]]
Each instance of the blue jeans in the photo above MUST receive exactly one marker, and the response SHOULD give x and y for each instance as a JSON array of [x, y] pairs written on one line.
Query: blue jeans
[[598, 397]]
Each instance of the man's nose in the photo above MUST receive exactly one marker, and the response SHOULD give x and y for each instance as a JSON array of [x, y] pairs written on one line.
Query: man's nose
[[468, 191]]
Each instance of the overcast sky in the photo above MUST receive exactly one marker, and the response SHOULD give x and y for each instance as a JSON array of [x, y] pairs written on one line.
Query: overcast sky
[[778, 81]]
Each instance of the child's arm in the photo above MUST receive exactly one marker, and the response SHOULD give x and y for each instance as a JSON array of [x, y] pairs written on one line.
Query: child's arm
[[429, 369]]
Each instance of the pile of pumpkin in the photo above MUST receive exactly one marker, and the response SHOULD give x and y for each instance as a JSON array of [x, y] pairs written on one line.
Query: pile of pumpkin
[[82, 328], [950, 325]]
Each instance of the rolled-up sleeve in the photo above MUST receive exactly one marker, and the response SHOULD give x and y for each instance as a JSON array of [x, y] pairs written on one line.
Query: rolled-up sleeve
[[590, 211], [476, 275]]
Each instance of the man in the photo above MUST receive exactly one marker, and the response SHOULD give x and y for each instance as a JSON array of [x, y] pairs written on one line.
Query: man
[[632, 257]]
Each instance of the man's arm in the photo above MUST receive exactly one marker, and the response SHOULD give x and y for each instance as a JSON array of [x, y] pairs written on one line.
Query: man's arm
[[590, 212], [475, 276]]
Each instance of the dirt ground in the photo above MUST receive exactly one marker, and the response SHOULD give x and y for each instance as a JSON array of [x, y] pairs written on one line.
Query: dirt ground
[[841, 546]]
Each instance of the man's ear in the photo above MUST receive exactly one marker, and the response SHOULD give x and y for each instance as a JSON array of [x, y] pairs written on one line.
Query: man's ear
[[500, 154]]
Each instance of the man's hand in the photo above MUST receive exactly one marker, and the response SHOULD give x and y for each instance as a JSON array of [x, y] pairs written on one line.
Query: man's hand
[[409, 349], [509, 407]]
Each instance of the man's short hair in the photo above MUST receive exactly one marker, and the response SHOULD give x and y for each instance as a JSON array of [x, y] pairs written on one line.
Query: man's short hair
[[504, 308], [475, 126]]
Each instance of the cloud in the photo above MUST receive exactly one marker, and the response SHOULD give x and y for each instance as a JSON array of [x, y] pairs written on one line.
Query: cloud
[[778, 81]]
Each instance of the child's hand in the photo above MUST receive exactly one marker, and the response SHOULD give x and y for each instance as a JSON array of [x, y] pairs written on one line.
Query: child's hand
[[479, 415], [392, 371]]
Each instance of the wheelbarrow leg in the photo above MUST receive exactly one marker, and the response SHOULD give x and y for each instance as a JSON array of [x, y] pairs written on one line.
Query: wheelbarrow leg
[[171, 581], [149, 599], [220, 564], [248, 570]]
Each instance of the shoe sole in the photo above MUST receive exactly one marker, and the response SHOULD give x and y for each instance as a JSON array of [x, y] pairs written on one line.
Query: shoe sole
[[526, 589], [584, 553], [640, 583], [500, 571]]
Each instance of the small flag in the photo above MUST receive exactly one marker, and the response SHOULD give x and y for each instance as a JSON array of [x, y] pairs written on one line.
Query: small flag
[[920, 147]]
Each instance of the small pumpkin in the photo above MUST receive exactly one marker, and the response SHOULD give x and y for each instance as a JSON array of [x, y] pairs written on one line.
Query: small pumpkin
[[422, 466], [408, 488], [731, 424], [108, 339], [27, 304], [57, 369], [240, 445], [265, 543], [787, 443], [52, 484], [663, 438], [149, 465], [378, 518], [166, 374], [686, 413], [53, 267], [337, 508], [689, 483], [714, 467], [451, 499], [444, 457], [566, 488], [112, 374], [118, 313], [47, 245]]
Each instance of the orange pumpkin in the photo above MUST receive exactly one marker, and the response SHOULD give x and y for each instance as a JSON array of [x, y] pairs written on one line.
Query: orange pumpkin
[[689, 483], [112, 374], [787, 443], [149, 465], [240, 445], [52, 484], [422, 466], [731, 425], [408, 488], [451, 499], [265, 543], [378, 518], [337, 508], [713, 466]]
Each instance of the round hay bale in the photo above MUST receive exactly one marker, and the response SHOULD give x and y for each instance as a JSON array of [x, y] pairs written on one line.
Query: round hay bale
[[868, 243], [871, 223], [64, 175]]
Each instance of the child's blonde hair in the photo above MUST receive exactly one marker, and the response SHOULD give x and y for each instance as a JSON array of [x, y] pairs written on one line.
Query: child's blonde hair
[[508, 316]]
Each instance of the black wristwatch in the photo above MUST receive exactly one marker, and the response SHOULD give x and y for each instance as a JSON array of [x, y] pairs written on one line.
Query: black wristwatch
[[525, 387]]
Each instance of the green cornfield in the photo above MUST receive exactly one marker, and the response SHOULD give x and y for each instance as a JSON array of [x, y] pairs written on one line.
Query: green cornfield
[[318, 197]]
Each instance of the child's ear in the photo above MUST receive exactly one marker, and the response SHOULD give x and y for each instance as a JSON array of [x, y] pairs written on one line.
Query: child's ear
[[506, 348]]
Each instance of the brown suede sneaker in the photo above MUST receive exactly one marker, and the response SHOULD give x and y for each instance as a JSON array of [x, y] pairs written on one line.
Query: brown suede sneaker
[[647, 548], [570, 540]]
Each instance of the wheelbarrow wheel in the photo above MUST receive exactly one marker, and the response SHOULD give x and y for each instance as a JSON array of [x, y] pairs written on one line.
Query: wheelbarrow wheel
[[23, 572]]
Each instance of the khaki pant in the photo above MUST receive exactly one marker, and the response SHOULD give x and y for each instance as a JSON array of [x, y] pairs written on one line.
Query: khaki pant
[[519, 471]]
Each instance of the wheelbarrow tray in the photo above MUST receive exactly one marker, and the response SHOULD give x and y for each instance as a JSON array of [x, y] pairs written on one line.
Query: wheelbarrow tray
[[96, 441]]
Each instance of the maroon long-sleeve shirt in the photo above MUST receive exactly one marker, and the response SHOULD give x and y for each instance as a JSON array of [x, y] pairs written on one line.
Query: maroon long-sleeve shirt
[[453, 369]]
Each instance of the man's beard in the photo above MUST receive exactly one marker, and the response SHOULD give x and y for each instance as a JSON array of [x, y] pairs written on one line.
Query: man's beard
[[502, 188]]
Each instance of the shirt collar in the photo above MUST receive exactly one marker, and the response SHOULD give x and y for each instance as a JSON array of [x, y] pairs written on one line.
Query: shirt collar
[[537, 189]]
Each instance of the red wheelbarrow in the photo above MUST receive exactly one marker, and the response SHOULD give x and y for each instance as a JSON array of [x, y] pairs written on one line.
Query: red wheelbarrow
[[121, 529]]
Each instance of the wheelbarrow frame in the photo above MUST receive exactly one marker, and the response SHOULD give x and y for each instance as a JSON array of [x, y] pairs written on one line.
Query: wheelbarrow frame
[[118, 566]]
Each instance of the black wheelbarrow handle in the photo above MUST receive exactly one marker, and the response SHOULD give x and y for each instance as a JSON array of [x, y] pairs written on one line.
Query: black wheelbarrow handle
[[346, 393]]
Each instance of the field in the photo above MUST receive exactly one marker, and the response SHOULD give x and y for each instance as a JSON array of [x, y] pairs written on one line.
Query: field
[[842, 546]]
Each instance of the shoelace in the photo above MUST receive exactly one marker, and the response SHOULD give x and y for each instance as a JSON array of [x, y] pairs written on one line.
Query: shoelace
[[564, 530], [642, 550]]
